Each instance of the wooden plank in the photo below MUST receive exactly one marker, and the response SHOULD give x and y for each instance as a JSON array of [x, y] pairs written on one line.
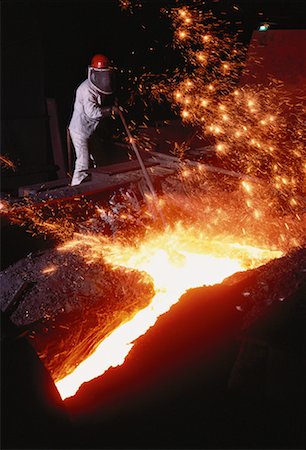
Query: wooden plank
[[174, 161], [122, 167]]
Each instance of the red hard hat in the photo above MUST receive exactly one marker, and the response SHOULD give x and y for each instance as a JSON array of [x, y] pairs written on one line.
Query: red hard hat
[[99, 62]]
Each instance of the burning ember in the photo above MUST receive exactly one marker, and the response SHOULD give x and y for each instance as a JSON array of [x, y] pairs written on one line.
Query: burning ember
[[7, 163], [176, 260]]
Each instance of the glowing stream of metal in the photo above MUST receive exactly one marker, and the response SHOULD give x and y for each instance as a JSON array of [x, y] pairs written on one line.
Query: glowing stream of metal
[[172, 276]]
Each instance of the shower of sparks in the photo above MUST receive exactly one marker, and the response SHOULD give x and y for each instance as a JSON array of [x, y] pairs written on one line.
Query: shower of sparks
[[44, 219], [256, 129]]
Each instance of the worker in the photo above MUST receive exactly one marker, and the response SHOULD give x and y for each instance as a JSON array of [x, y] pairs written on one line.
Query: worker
[[94, 101]]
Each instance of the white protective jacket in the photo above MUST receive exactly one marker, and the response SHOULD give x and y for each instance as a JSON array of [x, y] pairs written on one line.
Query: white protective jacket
[[88, 109]]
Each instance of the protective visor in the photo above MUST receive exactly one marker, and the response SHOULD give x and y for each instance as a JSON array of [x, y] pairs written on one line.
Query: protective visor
[[102, 79]]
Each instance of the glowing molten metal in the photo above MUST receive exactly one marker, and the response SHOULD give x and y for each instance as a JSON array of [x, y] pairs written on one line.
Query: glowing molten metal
[[176, 262]]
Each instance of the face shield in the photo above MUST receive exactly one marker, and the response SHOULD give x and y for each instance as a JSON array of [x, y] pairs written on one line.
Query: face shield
[[102, 79]]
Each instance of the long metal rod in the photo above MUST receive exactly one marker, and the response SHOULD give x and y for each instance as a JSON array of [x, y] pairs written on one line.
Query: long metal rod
[[143, 167]]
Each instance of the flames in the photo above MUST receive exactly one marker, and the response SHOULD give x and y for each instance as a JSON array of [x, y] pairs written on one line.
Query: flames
[[176, 260]]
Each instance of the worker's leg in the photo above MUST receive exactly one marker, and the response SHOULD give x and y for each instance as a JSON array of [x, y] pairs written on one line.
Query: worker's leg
[[80, 144]]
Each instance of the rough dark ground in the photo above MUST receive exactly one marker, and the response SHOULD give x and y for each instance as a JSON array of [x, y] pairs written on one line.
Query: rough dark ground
[[225, 368], [53, 303]]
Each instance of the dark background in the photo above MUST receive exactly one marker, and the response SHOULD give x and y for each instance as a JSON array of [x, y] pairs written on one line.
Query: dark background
[[47, 46]]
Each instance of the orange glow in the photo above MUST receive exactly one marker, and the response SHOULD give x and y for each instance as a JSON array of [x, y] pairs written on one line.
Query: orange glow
[[176, 260]]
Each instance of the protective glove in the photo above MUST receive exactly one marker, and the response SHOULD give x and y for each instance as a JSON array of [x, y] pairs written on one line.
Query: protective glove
[[106, 111], [115, 109]]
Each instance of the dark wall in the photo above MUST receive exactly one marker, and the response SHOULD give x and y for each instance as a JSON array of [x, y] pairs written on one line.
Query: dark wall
[[25, 132], [280, 53]]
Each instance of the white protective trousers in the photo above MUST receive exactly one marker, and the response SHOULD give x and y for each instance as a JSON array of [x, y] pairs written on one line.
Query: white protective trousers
[[80, 144]]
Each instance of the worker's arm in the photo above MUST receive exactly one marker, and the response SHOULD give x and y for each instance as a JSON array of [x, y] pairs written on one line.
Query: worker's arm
[[94, 110]]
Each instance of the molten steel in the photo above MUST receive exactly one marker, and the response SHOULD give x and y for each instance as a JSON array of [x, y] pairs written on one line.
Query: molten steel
[[176, 260]]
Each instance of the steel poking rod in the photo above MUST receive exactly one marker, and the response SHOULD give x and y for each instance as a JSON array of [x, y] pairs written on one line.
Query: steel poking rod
[[143, 167]]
